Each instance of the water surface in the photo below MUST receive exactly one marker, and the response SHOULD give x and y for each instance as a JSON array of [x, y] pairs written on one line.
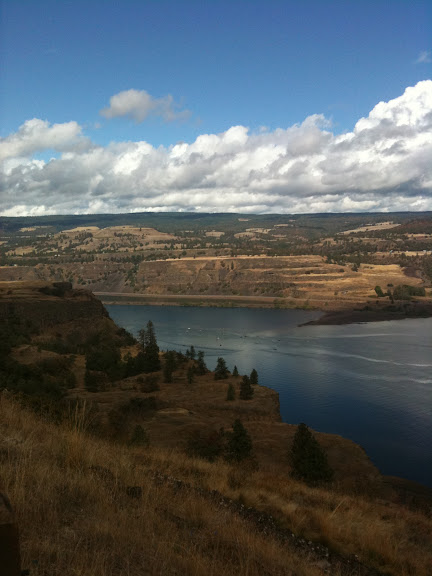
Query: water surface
[[371, 382]]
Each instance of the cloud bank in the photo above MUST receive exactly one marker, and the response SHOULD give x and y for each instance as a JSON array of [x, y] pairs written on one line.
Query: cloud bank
[[384, 164], [138, 105]]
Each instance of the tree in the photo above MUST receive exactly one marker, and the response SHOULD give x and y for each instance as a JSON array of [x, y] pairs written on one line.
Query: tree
[[235, 372], [239, 445], [201, 367], [379, 291], [254, 377], [221, 370], [230, 393], [246, 390], [147, 338], [308, 460]]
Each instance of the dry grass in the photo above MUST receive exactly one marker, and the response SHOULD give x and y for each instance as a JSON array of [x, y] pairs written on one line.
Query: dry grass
[[76, 518]]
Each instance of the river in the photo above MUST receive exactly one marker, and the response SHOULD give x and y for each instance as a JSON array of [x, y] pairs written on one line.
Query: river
[[371, 382]]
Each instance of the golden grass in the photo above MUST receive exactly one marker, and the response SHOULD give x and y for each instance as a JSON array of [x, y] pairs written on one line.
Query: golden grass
[[70, 495]]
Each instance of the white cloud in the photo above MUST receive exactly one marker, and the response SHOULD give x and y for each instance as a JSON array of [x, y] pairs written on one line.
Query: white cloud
[[139, 104], [384, 164], [36, 135], [424, 57]]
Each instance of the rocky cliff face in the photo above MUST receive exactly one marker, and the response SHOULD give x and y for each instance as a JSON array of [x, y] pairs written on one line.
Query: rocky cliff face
[[41, 305]]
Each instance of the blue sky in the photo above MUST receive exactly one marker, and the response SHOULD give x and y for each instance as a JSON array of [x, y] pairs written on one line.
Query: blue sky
[[199, 68]]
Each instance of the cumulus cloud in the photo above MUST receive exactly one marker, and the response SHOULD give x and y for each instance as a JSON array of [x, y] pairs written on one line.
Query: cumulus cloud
[[383, 164], [424, 57], [139, 104], [36, 135]]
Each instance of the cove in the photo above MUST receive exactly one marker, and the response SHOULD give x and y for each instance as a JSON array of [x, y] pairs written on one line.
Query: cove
[[371, 382]]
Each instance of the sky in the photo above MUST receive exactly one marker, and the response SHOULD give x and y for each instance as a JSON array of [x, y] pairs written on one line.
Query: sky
[[215, 106]]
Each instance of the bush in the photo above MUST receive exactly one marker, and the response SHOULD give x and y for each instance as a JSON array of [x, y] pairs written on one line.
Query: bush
[[230, 393], [207, 445], [406, 292], [139, 437]]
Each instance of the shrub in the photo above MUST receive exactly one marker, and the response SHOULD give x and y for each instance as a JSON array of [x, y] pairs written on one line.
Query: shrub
[[139, 437], [207, 445], [230, 393]]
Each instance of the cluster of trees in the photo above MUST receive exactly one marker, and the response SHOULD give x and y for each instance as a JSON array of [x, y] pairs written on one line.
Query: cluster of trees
[[401, 292], [234, 445], [308, 460], [104, 363]]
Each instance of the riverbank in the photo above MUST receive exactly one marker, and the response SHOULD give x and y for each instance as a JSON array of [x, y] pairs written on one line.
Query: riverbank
[[197, 300], [357, 313], [374, 314]]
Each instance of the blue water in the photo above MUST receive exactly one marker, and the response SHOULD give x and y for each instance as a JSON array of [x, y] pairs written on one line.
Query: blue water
[[371, 383]]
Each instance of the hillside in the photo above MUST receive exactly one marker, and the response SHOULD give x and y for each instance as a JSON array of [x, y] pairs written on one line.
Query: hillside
[[328, 262], [92, 497]]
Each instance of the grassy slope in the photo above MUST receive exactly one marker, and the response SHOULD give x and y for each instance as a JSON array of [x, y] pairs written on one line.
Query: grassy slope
[[76, 518]]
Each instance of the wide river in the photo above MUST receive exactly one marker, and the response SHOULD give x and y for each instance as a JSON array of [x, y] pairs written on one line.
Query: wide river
[[371, 382]]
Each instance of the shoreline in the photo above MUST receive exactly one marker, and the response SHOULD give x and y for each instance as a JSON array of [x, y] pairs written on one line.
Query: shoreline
[[355, 314]]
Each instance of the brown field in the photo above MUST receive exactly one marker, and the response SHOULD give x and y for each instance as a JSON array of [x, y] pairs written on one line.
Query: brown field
[[372, 227]]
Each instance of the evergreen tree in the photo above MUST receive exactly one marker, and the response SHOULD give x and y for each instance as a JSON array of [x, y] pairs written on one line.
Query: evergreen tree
[[239, 444], [253, 377], [308, 460], [246, 390], [151, 349], [230, 393], [221, 370], [201, 367], [142, 338], [235, 372], [192, 353]]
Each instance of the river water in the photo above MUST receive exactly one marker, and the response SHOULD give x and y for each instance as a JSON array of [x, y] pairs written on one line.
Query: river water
[[371, 382]]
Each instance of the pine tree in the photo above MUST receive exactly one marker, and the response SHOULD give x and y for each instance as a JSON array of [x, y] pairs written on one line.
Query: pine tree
[[221, 370], [239, 444], [230, 393], [201, 367], [235, 372], [308, 460], [151, 349], [254, 377], [246, 390]]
